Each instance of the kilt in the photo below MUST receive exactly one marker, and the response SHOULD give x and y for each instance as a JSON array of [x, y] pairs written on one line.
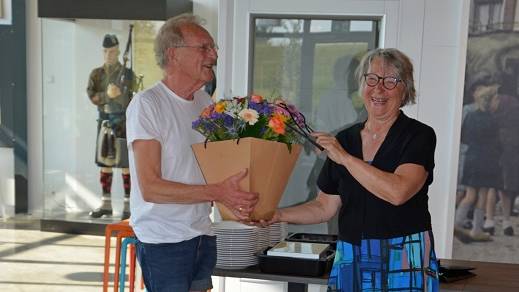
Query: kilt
[[111, 149]]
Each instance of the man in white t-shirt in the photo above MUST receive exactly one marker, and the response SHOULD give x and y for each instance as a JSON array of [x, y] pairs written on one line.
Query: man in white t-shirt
[[170, 202]]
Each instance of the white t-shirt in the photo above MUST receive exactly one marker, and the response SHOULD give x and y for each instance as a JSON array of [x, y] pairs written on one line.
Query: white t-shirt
[[159, 114]]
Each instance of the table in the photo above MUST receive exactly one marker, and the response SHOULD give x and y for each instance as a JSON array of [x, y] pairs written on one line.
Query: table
[[490, 277]]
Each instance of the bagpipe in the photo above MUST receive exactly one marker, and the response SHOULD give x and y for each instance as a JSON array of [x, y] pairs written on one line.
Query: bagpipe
[[125, 76]]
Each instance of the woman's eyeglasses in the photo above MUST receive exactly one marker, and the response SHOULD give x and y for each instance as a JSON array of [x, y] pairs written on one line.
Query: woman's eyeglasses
[[388, 82]]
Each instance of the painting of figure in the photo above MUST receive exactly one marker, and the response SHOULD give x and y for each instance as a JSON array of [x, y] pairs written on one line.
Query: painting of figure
[[486, 222]]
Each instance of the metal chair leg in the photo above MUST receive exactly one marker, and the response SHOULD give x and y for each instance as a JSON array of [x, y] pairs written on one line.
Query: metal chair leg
[[122, 273]]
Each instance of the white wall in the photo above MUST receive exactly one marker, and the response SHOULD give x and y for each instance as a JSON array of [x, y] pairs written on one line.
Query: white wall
[[441, 94], [208, 10]]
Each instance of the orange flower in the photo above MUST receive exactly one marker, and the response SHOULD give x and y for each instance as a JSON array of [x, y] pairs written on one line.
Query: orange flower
[[256, 98], [219, 107], [277, 124], [206, 113]]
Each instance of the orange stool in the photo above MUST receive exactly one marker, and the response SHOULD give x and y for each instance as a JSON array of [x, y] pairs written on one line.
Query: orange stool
[[120, 230]]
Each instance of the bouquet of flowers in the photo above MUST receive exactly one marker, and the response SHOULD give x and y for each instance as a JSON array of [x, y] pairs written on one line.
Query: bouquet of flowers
[[262, 130], [252, 116]]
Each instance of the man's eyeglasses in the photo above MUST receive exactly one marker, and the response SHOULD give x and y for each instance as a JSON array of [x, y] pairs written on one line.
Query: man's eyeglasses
[[388, 82], [204, 48]]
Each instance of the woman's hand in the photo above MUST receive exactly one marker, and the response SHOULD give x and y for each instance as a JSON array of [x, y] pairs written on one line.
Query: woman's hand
[[264, 223], [332, 147]]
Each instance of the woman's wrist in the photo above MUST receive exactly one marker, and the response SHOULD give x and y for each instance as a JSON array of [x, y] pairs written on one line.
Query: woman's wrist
[[345, 158], [280, 216]]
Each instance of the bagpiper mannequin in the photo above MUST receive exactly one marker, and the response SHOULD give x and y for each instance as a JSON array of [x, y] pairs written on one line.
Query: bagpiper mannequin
[[110, 88]]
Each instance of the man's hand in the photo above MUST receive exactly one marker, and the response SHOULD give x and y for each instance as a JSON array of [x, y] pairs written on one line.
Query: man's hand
[[239, 202], [95, 99], [113, 91]]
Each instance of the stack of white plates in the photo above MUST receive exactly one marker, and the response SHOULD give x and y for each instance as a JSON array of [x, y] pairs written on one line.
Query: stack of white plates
[[236, 245], [277, 232], [263, 239]]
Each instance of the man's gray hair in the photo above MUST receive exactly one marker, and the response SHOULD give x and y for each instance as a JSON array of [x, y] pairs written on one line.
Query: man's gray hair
[[402, 64], [170, 35]]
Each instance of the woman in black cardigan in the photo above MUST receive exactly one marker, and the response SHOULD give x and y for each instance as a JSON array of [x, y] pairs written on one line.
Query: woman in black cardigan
[[377, 176]]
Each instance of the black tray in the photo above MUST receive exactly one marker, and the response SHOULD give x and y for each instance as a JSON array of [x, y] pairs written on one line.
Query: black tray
[[296, 266], [314, 237], [450, 274]]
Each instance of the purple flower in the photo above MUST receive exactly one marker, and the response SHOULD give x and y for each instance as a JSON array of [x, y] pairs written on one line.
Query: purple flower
[[228, 121], [209, 126], [266, 110], [215, 116], [262, 108]]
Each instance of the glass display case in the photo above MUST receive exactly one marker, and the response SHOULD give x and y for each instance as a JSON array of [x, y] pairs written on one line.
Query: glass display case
[[71, 51]]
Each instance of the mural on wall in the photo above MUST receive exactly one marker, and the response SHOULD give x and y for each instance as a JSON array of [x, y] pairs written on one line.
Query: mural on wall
[[486, 224]]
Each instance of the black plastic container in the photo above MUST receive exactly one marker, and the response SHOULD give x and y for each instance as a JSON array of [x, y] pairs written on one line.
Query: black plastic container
[[296, 266], [314, 237]]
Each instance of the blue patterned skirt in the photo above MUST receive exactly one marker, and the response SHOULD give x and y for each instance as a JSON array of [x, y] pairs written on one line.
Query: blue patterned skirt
[[405, 263]]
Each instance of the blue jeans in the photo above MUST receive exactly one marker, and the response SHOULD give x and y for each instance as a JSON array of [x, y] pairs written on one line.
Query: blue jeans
[[178, 267]]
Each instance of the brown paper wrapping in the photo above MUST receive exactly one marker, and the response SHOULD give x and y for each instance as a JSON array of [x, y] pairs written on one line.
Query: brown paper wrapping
[[269, 163]]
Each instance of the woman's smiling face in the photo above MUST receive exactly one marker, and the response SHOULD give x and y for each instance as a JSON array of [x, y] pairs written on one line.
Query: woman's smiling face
[[379, 101]]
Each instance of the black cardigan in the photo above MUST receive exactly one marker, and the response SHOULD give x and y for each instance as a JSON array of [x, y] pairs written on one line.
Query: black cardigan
[[365, 216]]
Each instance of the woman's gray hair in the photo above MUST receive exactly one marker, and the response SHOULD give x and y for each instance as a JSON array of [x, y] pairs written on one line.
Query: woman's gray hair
[[170, 35], [402, 64]]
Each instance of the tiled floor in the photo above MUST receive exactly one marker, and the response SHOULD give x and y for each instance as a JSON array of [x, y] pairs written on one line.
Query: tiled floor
[[36, 261], [31, 260]]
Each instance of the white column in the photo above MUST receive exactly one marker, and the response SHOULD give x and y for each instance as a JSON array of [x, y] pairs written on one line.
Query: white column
[[34, 109]]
